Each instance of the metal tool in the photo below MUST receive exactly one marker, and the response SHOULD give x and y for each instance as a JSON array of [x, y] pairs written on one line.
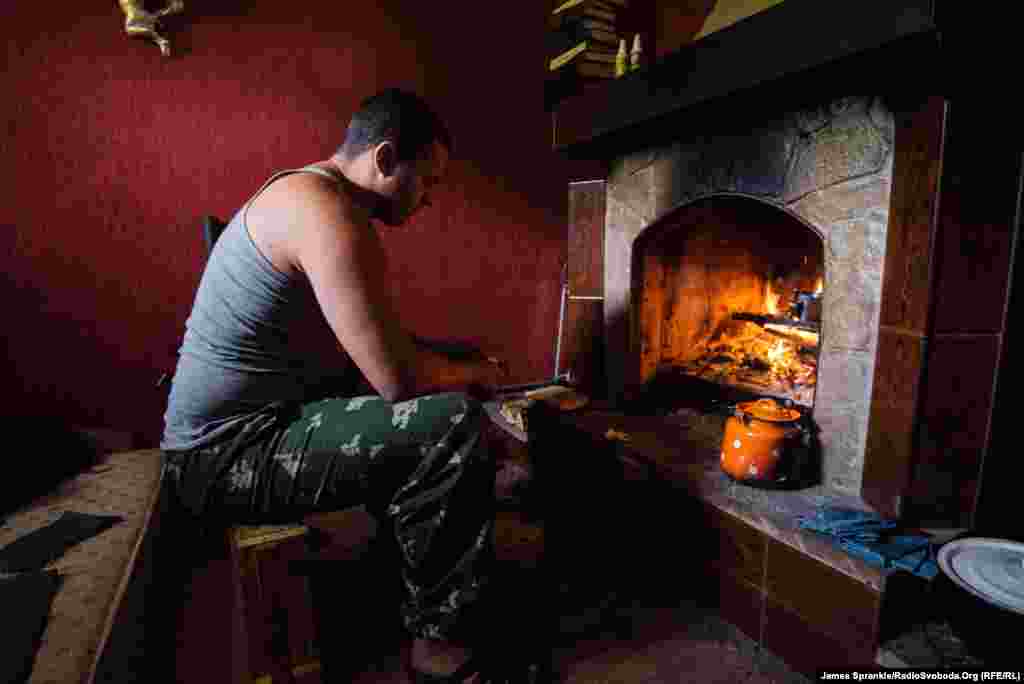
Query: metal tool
[[809, 326], [561, 315], [565, 379]]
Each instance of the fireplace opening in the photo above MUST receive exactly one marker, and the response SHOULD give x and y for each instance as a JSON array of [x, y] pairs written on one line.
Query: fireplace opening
[[728, 292]]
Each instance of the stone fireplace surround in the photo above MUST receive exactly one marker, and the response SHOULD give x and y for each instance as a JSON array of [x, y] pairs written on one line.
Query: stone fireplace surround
[[929, 187], [829, 165], [760, 109]]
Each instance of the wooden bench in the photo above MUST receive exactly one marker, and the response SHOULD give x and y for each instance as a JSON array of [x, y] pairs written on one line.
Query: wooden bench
[[88, 610]]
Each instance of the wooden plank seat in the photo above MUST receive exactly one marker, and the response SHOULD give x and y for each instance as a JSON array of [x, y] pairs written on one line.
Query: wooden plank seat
[[82, 631], [273, 615]]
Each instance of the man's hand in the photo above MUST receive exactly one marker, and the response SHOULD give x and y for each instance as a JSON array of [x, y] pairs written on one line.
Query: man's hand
[[488, 374]]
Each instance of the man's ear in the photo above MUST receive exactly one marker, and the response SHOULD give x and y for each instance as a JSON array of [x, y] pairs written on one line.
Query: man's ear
[[385, 158]]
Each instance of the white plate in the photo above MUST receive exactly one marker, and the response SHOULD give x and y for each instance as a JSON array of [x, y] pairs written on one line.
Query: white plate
[[991, 569]]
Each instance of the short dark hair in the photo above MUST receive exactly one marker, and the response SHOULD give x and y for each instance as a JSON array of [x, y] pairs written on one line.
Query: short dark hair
[[396, 115]]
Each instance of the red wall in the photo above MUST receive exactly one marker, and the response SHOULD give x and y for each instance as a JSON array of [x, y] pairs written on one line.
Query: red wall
[[112, 153]]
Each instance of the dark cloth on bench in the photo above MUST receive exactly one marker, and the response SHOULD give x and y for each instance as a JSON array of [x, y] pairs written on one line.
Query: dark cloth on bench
[[26, 599], [37, 548]]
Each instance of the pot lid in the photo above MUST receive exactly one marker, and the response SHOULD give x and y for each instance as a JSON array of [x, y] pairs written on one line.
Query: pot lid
[[991, 569], [770, 410]]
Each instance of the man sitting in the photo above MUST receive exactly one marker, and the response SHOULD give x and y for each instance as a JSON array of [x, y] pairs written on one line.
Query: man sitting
[[260, 428]]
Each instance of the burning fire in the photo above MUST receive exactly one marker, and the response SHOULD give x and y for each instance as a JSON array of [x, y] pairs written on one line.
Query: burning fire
[[819, 287], [778, 358], [771, 299], [771, 359]]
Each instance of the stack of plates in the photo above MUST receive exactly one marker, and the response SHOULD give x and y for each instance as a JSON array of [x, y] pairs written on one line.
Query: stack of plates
[[987, 605], [990, 569]]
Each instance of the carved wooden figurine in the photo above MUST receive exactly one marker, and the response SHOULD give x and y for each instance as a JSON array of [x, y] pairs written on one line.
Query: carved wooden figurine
[[139, 22]]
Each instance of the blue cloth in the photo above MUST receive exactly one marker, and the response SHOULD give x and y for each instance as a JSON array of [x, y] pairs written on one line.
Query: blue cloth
[[873, 539]]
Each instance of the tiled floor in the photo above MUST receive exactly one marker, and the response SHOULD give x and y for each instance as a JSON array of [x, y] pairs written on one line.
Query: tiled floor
[[676, 644], [638, 641], [682, 644]]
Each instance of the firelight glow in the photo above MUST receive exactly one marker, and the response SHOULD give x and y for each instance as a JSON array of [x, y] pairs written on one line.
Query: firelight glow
[[778, 357], [771, 300]]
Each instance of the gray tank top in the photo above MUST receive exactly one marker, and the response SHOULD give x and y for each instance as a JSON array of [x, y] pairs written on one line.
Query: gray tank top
[[255, 336]]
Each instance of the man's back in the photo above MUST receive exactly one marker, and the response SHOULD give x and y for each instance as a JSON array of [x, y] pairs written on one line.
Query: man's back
[[255, 335]]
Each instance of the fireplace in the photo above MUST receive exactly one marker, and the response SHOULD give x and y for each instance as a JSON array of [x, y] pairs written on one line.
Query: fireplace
[[912, 201], [734, 219], [728, 289], [737, 178], [903, 210]]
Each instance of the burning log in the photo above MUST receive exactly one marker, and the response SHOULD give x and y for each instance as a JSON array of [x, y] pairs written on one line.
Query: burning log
[[777, 320], [777, 362], [804, 340]]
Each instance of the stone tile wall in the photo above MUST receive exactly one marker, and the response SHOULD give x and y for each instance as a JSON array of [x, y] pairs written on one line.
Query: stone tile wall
[[829, 165]]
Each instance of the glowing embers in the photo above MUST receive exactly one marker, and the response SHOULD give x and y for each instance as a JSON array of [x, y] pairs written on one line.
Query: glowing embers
[[768, 358], [772, 300], [728, 289]]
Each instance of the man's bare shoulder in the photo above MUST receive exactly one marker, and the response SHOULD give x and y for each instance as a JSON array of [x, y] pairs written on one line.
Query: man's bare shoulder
[[307, 196], [300, 212]]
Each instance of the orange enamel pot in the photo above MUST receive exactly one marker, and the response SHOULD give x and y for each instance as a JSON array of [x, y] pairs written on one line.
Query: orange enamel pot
[[757, 437]]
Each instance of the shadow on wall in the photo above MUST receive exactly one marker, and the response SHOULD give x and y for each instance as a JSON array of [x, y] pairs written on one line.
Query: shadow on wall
[[217, 8], [616, 331]]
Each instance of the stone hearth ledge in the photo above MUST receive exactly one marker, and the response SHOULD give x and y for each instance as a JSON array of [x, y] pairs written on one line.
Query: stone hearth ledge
[[658, 443], [686, 453]]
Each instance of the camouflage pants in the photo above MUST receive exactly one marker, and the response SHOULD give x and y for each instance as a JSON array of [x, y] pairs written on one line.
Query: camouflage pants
[[419, 466]]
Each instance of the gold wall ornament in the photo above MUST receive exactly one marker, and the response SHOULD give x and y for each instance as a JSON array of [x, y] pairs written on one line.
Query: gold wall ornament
[[139, 22]]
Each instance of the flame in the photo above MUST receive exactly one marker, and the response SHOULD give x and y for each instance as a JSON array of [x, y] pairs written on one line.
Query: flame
[[778, 357], [820, 286], [771, 300], [779, 360], [772, 359]]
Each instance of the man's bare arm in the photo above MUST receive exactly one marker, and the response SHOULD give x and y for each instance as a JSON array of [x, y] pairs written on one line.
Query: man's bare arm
[[347, 268]]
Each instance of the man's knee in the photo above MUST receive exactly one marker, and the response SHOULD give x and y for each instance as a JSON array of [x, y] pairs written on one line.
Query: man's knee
[[461, 416], [459, 406], [471, 414], [469, 403]]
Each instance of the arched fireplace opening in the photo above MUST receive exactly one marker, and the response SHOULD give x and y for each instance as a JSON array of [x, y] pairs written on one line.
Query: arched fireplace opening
[[727, 297]]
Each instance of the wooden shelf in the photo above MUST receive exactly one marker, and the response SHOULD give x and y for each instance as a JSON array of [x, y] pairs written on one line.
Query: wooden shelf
[[638, 16], [797, 37]]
